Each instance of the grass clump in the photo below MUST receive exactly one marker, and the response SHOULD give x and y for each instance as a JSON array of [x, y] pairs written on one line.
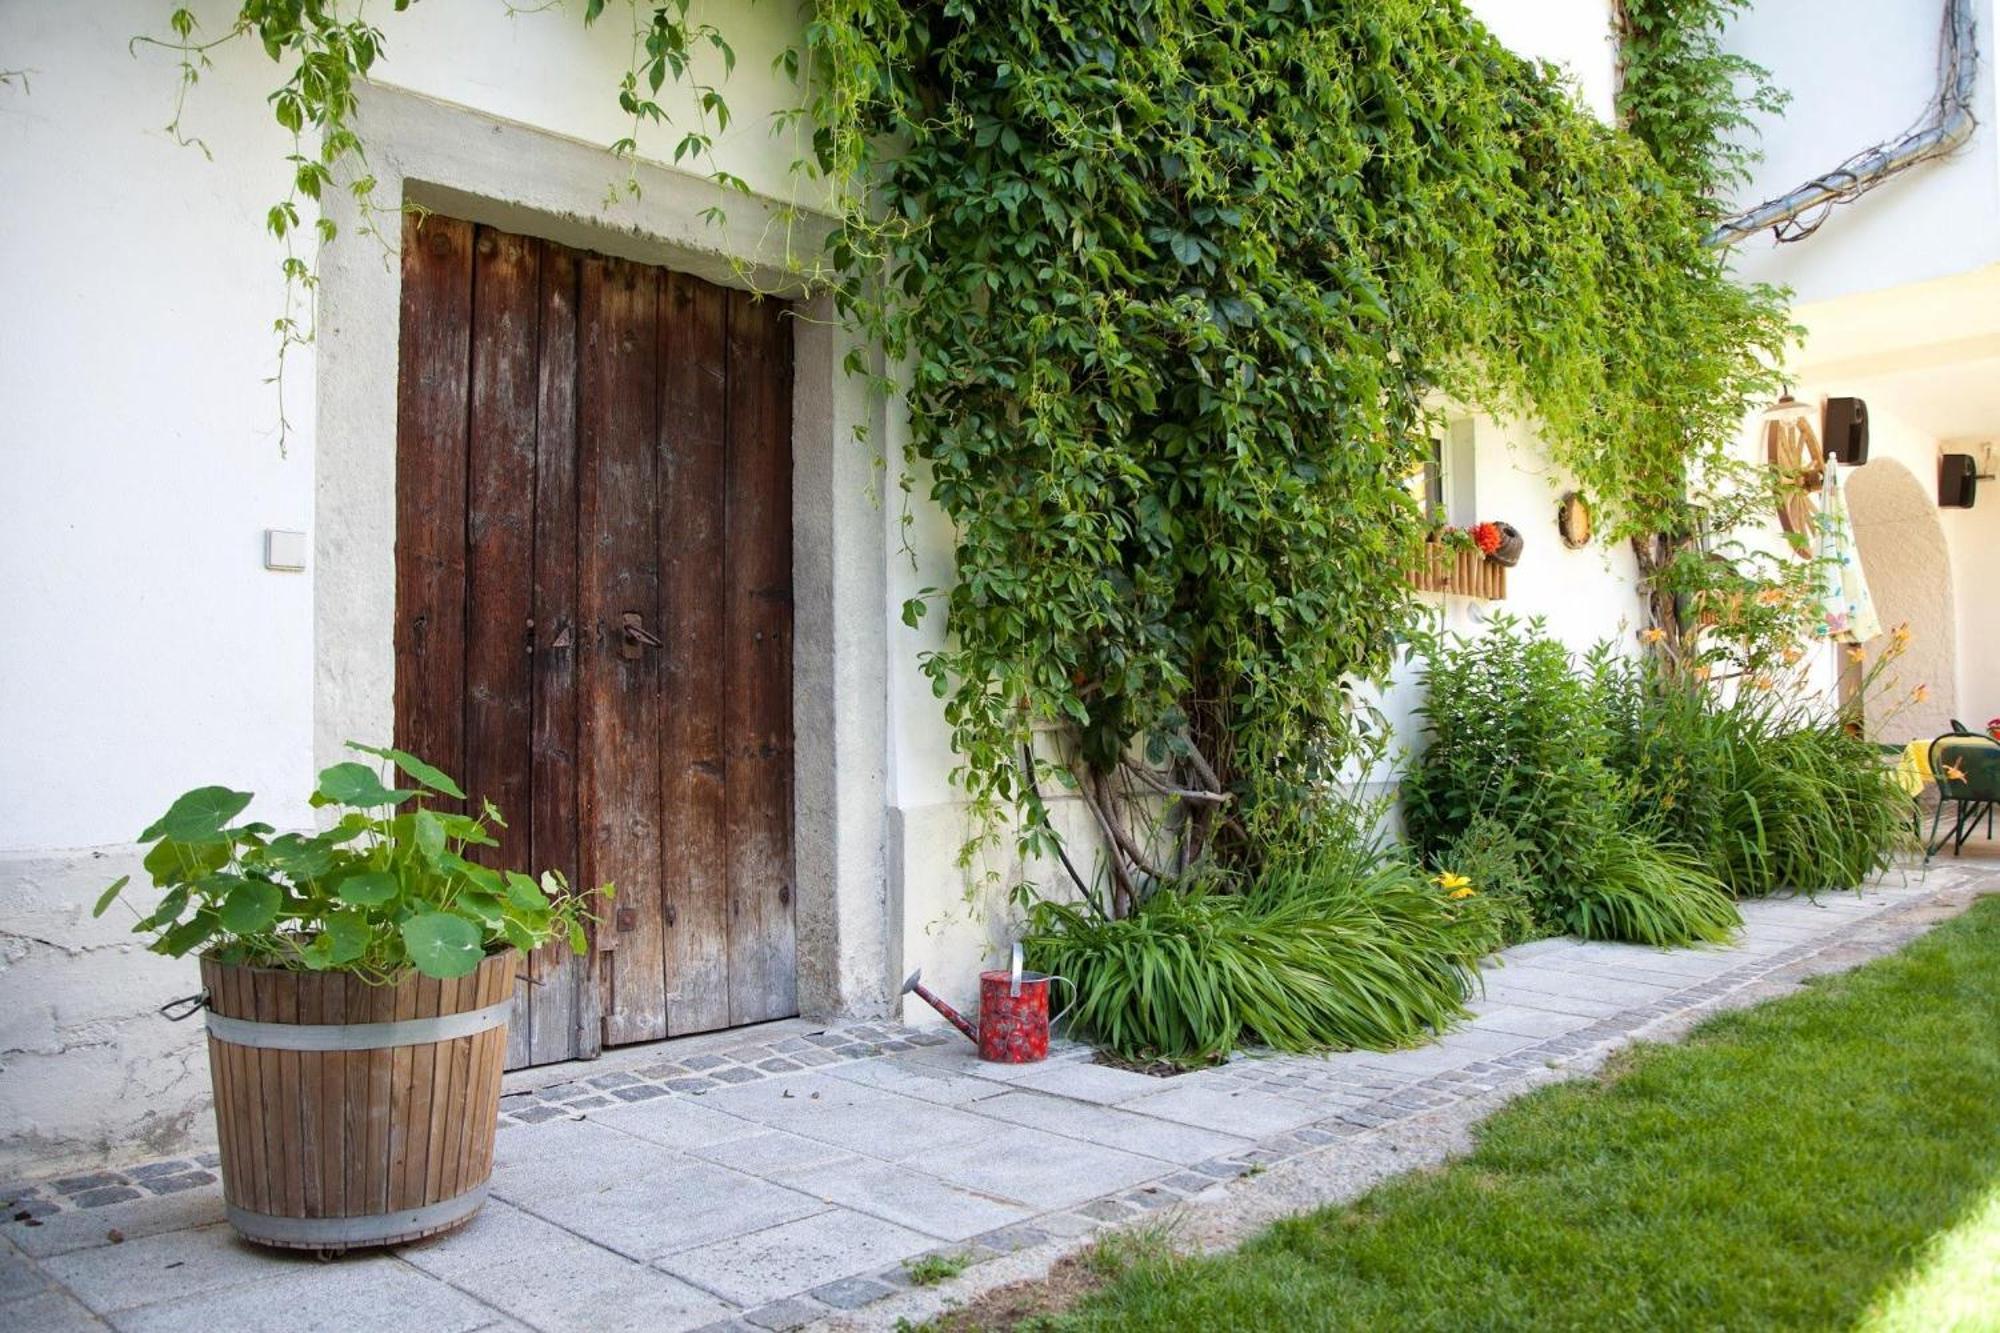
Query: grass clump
[[1824, 1161], [1336, 949], [1770, 791], [931, 1269]]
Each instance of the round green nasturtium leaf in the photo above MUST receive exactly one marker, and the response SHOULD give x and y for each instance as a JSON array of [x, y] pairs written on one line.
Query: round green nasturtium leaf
[[251, 907], [482, 905], [370, 888], [344, 939], [442, 945], [428, 830], [356, 784], [522, 893], [198, 815], [177, 942], [348, 933], [434, 778]]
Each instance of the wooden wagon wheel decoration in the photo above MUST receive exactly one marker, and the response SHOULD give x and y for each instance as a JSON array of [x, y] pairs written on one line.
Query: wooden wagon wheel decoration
[[1793, 448], [1573, 521]]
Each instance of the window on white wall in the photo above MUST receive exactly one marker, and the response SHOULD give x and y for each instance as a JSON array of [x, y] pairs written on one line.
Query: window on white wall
[[1460, 473], [1449, 470], [1432, 481]]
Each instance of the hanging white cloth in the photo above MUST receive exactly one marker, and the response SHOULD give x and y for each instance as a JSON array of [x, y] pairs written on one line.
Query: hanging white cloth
[[1849, 608]]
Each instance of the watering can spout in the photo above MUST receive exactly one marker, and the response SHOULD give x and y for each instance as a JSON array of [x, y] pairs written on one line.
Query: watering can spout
[[914, 985]]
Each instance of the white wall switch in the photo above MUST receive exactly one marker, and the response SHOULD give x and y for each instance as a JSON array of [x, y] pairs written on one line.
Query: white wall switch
[[284, 550]]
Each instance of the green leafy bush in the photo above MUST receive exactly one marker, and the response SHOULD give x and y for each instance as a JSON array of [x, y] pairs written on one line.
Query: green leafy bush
[[1771, 792], [1496, 861], [1518, 736], [387, 888], [1334, 951]]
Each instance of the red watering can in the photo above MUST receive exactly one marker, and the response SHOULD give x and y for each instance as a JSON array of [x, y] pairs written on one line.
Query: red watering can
[[1013, 1013]]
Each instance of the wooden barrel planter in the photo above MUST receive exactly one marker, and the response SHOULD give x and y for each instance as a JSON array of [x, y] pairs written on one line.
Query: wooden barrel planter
[[351, 1114]]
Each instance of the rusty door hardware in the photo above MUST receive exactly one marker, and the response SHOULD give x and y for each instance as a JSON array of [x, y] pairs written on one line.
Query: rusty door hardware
[[636, 635]]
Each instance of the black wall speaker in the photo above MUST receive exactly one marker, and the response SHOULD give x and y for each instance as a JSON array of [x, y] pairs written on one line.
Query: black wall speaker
[[1958, 481], [1845, 431]]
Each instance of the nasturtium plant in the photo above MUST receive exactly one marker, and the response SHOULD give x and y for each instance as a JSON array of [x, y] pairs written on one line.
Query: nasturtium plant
[[390, 886]]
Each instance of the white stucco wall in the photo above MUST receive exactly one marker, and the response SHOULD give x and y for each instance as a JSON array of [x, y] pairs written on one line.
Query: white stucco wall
[[143, 648], [1575, 34]]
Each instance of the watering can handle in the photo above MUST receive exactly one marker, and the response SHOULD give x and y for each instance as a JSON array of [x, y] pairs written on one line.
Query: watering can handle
[[1057, 1015], [1014, 982]]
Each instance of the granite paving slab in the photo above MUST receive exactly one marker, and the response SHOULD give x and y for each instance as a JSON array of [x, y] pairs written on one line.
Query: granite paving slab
[[912, 1199], [750, 1270], [720, 1183]]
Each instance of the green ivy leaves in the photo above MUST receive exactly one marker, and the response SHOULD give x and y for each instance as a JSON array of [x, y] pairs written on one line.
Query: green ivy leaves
[[1180, 285]]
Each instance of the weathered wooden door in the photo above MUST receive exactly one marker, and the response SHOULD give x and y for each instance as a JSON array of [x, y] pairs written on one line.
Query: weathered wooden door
[[594, 613]]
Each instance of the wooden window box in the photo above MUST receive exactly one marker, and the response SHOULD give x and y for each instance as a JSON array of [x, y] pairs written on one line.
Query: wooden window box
[[1463, 573]]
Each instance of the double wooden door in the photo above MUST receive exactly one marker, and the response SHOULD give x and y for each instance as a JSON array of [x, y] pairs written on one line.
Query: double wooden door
[[594, 613]]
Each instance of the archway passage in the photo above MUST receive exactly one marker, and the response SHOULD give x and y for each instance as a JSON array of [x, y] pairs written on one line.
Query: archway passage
[[594, 613], [1908, 565]]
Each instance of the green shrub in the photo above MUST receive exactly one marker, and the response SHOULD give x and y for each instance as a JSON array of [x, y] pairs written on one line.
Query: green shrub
[[1771, 792], [1333, 951], [1518, 736], [1489, 854], [1515, 735]]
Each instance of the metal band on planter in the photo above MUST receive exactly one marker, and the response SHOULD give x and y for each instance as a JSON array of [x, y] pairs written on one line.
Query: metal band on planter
[[367, 1229], [357, 1036]]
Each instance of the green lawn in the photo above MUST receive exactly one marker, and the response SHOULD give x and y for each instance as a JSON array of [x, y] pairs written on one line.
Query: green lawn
[[1827, 1161]]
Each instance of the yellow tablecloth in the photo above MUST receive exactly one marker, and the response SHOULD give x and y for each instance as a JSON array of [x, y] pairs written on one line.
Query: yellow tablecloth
[[1913, 770]]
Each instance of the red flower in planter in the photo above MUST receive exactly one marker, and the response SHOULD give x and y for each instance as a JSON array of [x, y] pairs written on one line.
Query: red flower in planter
[[1486, 536]]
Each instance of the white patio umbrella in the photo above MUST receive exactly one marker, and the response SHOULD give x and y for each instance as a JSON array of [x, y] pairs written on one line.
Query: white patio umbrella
[[1849, 609]]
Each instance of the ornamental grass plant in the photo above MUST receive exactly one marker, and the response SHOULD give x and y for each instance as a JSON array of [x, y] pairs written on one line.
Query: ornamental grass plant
[[1771, 791], [1344, 948]]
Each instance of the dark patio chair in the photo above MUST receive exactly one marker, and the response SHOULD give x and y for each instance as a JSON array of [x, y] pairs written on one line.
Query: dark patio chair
[[1967, 771]]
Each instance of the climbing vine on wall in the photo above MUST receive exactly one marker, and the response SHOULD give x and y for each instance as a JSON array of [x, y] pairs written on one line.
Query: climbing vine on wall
[[1179, 285], [1686, 96], [1715, 600]]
